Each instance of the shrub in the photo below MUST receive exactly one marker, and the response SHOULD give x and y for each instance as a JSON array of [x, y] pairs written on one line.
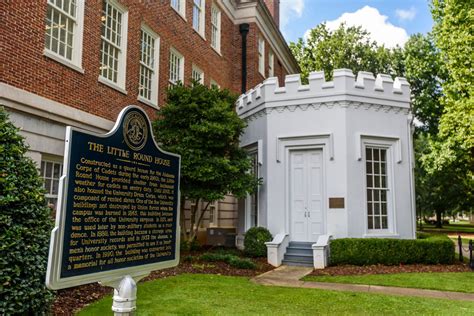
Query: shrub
[[241, 263], [254, 241], [25, 225], [232, 260], [189, 246], [366, 251], [214, 257]]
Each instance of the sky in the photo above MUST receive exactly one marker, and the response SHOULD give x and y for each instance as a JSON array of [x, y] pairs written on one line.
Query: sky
[[389, 22]]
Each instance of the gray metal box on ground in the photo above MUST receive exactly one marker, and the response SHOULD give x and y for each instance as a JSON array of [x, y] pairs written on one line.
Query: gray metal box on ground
[[217, 236]]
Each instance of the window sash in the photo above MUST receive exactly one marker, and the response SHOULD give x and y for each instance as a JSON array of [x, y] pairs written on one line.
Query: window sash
[[109, 62], [60, 28], [176, 4], [271, 60], [176, 63], [198, 75], [215, 27], [197, 12], [112, 43], [377, 188], [147, 66], [261, 56], [254, 195], [214, 83], [50, 172], [213, 213], [112, 20], [61, 5]]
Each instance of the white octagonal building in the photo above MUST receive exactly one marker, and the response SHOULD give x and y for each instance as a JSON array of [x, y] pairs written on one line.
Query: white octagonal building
[[336, 158]]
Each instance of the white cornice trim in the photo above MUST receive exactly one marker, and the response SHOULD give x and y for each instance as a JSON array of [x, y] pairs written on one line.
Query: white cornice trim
[[315, 106], [24, 101]]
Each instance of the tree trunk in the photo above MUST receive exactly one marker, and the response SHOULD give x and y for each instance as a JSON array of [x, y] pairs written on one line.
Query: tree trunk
[[182, 218], [198, 222], [201, 216], [439, 219], [191, 236]]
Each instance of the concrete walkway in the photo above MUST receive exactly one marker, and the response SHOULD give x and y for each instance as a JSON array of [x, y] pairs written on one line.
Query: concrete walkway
[[289, 276]]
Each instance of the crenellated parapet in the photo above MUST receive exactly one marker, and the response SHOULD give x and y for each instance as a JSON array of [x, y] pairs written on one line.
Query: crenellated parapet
[[345, 88]]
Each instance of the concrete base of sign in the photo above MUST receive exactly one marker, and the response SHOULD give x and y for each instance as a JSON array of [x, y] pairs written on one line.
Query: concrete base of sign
[[125, 294]]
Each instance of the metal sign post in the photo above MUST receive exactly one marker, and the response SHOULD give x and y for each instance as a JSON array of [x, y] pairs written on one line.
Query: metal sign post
[[118, 211]]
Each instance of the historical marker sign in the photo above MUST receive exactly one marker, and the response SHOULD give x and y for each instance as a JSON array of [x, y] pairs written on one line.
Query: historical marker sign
[[119, 205]]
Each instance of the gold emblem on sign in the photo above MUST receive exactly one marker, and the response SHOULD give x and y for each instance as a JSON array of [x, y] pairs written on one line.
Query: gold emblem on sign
[[135, 130]]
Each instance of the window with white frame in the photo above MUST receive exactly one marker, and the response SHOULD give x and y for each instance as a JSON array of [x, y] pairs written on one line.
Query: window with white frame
[[179, 6], [149, 58], [251, 203], [198, 75], [213, 214], [216, 28], [214, 83], [199, 16], [271, 64], [176, 67], [63, 30], [261, 56], [51, 172], [377, 188], [113, 44]]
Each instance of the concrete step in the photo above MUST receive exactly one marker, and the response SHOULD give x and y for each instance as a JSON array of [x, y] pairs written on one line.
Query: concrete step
[[299, 251], [298, 258], [300, 244], [297, 263]]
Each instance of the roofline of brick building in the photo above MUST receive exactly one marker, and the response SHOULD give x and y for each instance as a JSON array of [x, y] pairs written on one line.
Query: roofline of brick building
[[256, 11]]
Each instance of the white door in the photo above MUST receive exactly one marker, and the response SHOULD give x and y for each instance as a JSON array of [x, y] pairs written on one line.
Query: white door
[[306, 195]]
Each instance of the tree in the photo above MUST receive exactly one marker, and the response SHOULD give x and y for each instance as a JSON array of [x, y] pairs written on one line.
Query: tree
[[453, 149], [25, 225], [345, 47], [440, 193], [200, 124], [423, 70]]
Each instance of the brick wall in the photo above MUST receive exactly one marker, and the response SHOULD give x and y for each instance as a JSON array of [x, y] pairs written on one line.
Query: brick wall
[[23, 65], [274, 8]]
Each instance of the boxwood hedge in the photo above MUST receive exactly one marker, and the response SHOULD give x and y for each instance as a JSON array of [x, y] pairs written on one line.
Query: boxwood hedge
[[25, 225], [365, 251], [254, 241]]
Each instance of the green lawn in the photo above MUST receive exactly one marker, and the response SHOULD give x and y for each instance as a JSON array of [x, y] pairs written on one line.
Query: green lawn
[[450, 229], [195, 294], [449, 281]]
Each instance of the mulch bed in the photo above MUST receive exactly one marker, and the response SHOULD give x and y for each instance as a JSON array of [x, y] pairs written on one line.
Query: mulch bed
[[382, 269], [69, 301]]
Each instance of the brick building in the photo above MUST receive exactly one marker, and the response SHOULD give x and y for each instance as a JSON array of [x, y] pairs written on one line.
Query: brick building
[[78, 63]]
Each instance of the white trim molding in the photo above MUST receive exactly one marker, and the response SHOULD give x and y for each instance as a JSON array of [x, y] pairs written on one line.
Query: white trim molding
[[325, 139], [376, 140]]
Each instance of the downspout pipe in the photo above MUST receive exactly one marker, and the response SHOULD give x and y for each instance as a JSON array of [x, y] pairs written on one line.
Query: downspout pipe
[[244, 30]]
